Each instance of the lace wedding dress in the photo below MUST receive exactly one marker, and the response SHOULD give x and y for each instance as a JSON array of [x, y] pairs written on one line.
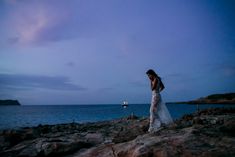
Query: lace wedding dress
[[159, 113]]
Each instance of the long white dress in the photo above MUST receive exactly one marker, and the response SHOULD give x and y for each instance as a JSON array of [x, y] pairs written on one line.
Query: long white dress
[[159, 113]]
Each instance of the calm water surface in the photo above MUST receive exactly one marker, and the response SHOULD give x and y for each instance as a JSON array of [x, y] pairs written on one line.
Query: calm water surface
[[22, 116]]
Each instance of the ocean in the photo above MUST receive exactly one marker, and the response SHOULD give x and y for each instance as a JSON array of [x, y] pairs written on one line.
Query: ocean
[[14, 117]]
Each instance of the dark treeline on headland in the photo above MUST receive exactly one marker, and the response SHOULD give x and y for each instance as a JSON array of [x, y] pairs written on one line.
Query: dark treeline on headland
[[9, 103], [227, 98]]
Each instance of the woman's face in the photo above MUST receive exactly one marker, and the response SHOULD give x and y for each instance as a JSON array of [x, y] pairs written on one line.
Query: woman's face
[[151, 77]]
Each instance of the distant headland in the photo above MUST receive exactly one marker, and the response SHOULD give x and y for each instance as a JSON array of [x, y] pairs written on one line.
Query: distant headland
[[9, 103], [227, 98]]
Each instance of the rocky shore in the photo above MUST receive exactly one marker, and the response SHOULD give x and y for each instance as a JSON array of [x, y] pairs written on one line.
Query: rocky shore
[[227, 98], [206, 133]]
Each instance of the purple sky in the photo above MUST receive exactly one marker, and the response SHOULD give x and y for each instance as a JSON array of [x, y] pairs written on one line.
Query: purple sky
[[97, 51]]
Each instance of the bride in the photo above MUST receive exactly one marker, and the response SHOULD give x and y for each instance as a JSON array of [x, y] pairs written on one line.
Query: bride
[[158, 111]]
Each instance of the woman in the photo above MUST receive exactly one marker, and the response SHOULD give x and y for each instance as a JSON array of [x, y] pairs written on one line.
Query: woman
[[158, 112]]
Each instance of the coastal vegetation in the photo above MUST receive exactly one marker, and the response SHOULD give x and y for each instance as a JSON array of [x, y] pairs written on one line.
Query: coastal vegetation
[[9, 103], [227, 98]]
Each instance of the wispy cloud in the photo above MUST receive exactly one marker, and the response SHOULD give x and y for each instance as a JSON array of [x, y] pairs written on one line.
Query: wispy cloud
[[105, 89], [37, 23], [12, 2], [222, 69], [228, 70], [180, 78], [138, 83], [70, 64], [26, 82]]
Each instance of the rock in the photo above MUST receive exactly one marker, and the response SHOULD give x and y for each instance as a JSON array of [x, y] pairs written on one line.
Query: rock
[[197, 120], [132, 117], [94, 138], [206, 136], [208, 133], [228, 128]]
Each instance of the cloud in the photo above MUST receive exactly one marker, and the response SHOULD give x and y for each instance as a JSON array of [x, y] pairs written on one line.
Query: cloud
[[27, 82], [34, 22], [174, 77], [223, 69], [12, 2], [138, 83], [70, 64], [105, 89], [228, 70]]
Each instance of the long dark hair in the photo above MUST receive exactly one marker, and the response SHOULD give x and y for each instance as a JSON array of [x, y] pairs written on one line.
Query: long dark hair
[[152, 72]]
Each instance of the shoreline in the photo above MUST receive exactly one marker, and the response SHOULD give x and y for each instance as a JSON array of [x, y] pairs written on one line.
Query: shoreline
[[213, 129], [226, 98], [71, 123], [9, 102], [29, 125], [201, 103]]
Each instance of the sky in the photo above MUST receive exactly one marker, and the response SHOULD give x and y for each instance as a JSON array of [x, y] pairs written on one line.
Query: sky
[[97, 51]]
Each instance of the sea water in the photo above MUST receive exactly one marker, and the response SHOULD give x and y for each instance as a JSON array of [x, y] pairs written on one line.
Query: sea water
[[12, 117]]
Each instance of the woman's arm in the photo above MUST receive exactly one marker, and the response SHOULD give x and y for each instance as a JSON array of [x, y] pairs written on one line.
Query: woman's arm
[[154, 84]]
